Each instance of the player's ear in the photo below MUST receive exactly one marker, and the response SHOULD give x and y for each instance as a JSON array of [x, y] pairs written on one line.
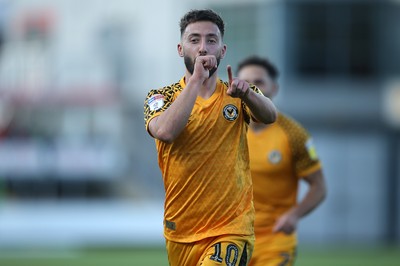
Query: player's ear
[[180, 50], [223, 51]]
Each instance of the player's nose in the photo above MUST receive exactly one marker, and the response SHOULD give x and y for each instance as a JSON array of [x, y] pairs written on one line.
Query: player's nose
[[202, 52], [203, 48]]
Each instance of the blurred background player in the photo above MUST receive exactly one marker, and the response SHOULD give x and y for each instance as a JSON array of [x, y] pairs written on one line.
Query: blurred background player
[[200, 125], [281, 154]]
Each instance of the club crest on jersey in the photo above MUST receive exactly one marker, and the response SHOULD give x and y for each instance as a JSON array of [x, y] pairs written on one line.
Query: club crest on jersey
[[274, 157], [230, 112], [156, 102]]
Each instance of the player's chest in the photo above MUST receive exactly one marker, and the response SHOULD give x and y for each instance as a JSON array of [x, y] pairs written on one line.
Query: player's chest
[[270, 152], [217, 113]]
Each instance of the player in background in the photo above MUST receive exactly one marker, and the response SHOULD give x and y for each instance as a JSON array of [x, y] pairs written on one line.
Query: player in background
[[281, 155], [200, 125]]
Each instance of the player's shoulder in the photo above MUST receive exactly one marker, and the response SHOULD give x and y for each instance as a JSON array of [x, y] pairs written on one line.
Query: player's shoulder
[[286, 118], [161, 98], [223, 83], [289, 124], [169, 90]]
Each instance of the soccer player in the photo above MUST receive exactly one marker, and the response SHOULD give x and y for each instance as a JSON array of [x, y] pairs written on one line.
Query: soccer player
[[281, 154], [200, 125]]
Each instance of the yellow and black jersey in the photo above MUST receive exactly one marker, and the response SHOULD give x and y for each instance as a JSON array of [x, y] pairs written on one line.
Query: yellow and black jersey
[[280, 155], [208, 188]]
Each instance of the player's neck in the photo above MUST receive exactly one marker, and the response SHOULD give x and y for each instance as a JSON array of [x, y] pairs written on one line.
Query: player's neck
[[209, 85]]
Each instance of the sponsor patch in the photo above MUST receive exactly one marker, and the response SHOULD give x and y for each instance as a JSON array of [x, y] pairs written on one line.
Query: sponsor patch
[[170, 225], [274, 157], [312, 152], [156, 102], [230, 112]]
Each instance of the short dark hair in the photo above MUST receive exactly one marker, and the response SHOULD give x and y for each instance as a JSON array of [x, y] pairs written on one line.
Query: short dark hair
[[202, 15], [262, 62]]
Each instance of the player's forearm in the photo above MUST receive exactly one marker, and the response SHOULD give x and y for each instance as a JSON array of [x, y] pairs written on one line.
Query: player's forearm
[[172, 121], [261, 107], [314, 196]]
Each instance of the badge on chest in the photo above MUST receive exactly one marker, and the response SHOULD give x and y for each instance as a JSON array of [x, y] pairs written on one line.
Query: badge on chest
[[230, 112], [275, 157]]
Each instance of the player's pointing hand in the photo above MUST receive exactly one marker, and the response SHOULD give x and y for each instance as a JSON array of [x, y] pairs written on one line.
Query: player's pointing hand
[[237, 88]]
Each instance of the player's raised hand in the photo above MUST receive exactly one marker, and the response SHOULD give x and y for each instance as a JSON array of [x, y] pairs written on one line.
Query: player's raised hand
[[237, 88], [203, 64]]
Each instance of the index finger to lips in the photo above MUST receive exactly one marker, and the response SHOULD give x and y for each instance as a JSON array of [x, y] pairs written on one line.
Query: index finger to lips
[[209, 63]]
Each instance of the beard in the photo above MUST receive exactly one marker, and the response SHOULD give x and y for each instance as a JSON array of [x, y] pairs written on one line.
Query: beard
[[189, 63]]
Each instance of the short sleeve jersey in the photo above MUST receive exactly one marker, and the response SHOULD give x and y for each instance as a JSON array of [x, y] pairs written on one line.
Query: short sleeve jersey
[[208, 187], [280, 155]]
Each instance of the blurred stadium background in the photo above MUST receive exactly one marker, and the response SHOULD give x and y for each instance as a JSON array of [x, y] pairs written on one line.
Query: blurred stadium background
[[78, 172]]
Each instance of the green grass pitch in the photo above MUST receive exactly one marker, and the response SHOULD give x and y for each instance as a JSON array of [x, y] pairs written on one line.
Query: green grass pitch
[[157, 257]]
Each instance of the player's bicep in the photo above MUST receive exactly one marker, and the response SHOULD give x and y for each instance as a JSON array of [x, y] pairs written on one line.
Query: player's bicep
[[156, 103]]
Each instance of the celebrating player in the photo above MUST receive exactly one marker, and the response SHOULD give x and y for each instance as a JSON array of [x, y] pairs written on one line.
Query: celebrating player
[[200, 125]]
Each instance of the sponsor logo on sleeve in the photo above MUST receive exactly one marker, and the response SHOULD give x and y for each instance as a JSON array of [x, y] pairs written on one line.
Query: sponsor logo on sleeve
[[170, 225], [312, 152], [156, 102]]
